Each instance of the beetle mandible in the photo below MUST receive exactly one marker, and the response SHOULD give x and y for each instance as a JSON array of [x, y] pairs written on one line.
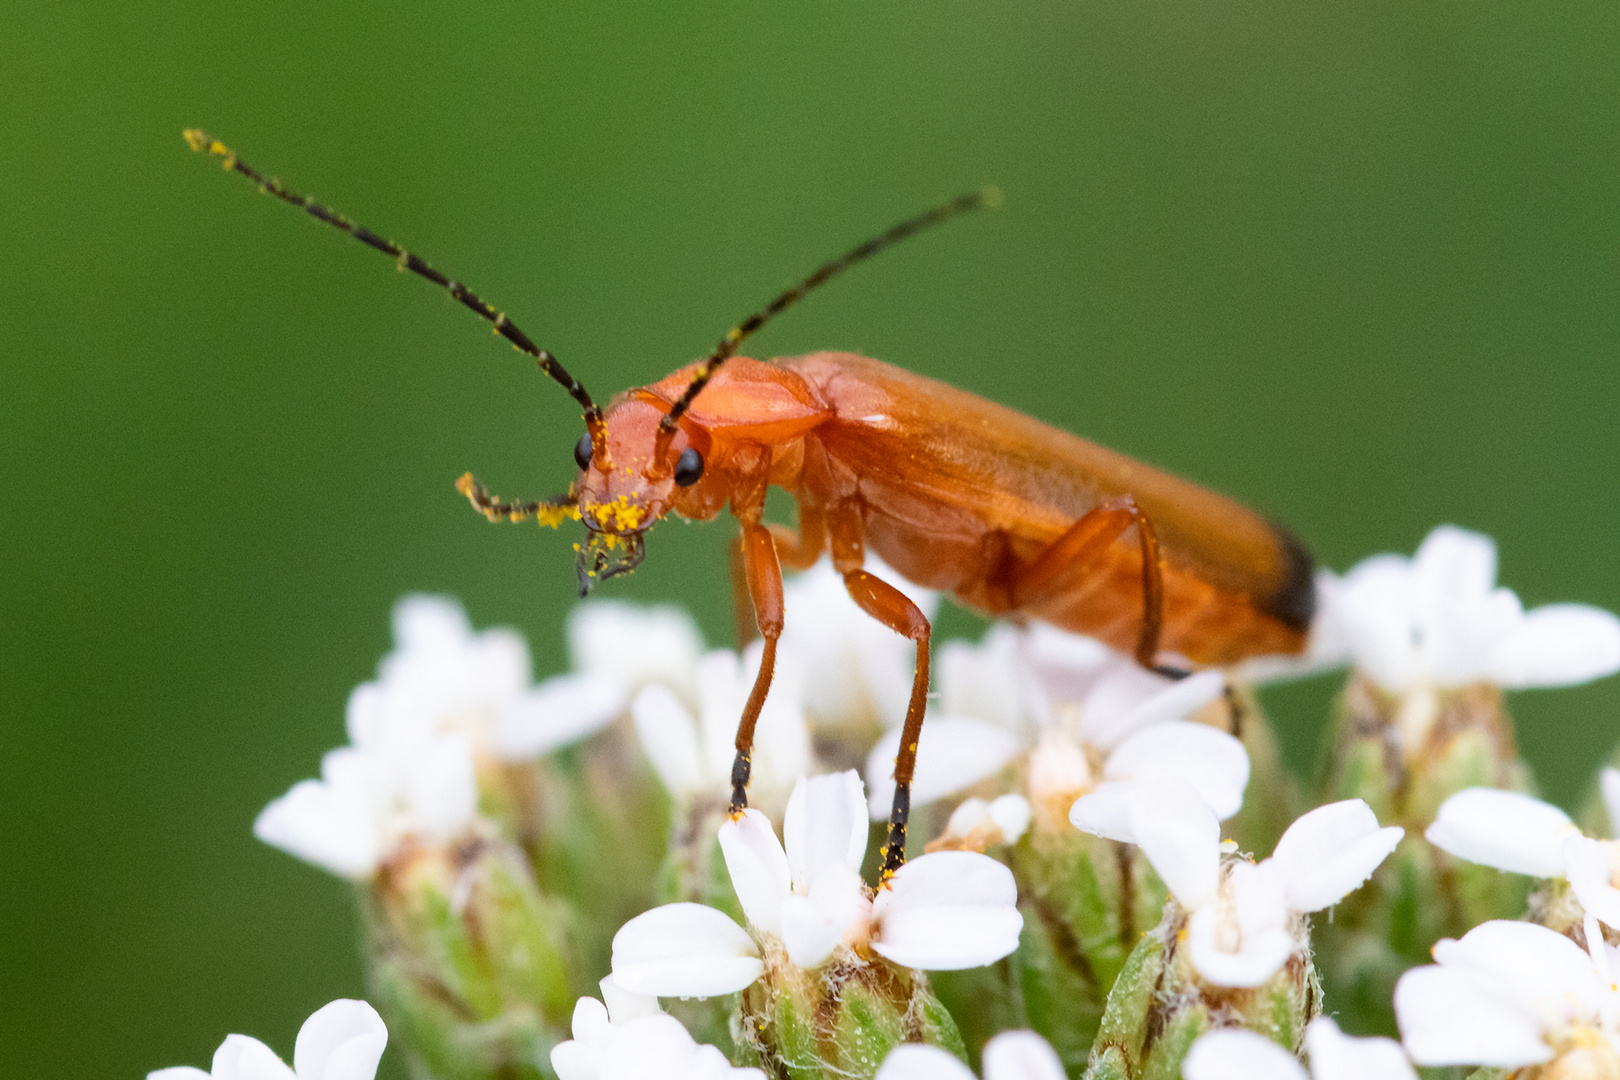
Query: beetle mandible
[[1012, 517]]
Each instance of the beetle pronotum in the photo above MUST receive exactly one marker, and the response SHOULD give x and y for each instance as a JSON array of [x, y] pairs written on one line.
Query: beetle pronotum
[[1012, 517]]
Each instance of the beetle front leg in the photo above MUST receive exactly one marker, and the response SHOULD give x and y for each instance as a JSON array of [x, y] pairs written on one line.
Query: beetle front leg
[[762, 574], [894, 609], [794, 550]]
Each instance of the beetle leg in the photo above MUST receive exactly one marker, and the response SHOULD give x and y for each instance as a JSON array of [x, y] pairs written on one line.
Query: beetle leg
[[1083, 543], [762, 573], [794, 550], [891, 607]]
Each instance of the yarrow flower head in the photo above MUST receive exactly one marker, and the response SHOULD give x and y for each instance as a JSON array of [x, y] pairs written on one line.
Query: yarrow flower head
[[1085, 715], [942, 911], [692, 750], [626, 1036], [1514, 994], [1515, 832], [1240, 1054], [343, 1040], [1440, 620], [1243, 918]]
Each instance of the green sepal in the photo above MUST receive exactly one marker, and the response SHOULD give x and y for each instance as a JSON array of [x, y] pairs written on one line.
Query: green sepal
[[838, 1022], [467, 960]]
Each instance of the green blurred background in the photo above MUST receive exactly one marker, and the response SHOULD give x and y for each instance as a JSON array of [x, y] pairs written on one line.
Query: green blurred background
[[1354, 263]]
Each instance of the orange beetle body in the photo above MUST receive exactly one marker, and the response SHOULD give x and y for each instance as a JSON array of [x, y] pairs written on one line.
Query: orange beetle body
[[957, 494]]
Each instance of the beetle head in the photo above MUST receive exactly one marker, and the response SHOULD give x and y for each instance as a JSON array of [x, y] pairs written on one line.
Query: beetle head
[[623, 490]]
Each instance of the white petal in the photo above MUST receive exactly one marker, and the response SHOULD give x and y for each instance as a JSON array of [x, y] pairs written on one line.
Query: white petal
[[782, 751], [343, 1040], [684, 950], [1375, 608], [987, 681], [1589, 866], [758, 868], [723, 688], [651, 1048], [1057, 767], [918, 1061], [1011, 814], [1106, 812], [1549, 977], [1127, 698], [669, 739], [635, 646], [1505, 829], [1609, 780], [814, 924], [441, 786], [1455, 565], [1327, 853], [1213, 762], [1337, 1056], [591, 1025], [946, 911], [1557, 645], [953, 753], [1236, 1054], [1260, 954], [178, 1072], [1021, 1055], [1447, 1018], [331, 826], [825, 824], [1180, 836], [240, 1057], [559, 711], [622, 1005], [572, 1060]]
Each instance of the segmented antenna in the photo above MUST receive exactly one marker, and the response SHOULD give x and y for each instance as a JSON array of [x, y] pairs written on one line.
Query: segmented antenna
[[202, 142], [984, 198]]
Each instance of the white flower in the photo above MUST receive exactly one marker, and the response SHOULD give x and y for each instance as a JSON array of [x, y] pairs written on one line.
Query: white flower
[[340, 1041], [976, 824], [1012, 1055], [1239, 1054], [631, 1038], [1242, 920], [442, 677], [370, 799], [1439, 620], [693, 755], [942, 911], [632, 646], [1512, 831], [856, 670], [1510, 994], [1068, 700]]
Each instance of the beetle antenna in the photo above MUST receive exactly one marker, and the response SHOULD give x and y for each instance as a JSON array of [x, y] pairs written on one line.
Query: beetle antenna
[[985, 198], [202, 142]]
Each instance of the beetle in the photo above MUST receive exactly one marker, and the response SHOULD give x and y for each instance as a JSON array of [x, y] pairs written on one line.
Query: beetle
[[1013, 517]]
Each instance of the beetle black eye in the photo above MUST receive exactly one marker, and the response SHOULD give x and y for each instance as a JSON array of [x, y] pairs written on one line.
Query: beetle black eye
[[688, 467], [582, 451]]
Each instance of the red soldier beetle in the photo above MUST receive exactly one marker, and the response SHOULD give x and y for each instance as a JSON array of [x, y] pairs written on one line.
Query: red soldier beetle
[[1012, 517]]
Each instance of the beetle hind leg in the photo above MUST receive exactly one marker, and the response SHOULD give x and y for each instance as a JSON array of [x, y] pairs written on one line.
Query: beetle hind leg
[[1084, 543]]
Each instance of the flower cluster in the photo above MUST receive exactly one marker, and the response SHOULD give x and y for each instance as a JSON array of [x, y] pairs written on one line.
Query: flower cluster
[[1112, 874]]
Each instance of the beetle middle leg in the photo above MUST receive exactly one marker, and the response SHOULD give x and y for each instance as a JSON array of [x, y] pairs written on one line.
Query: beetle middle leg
[[1084, 542], [894, 609]]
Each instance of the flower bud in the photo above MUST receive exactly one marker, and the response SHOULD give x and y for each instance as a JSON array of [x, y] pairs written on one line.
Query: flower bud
[[840, 1020], [1160, 1005], [467, 959]]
